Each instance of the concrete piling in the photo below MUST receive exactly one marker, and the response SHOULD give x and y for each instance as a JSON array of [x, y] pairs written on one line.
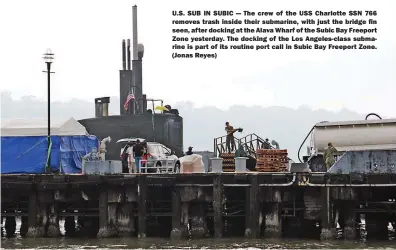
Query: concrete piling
[[273, 221], [328, 230], [70, 226], [253, 226], [10, 226], [142, 209], [53, 221], [218, 207], [350, 227], [125, 220], [24, 226], [103, 213], [197, 221], [177, 231]]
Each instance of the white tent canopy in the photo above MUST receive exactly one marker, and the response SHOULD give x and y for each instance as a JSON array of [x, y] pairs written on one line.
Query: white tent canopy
[[39, 127]]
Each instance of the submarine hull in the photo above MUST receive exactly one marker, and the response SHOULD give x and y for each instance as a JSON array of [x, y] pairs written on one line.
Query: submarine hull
[[168, 130]]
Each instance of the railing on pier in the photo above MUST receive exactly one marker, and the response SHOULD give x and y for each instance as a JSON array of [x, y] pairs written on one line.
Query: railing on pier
[[167, 166], [251, 143], [220, 144]]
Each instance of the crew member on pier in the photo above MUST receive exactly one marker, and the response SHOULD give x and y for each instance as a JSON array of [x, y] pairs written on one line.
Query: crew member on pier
[[230, 140], [91, 156], [329, 155], [267, 144], [137, 153], [189, 152], [125, 158]]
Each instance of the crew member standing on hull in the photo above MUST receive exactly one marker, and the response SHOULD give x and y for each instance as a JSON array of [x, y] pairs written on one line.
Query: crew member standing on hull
[[328, 155], [230, 140], [138, 153]]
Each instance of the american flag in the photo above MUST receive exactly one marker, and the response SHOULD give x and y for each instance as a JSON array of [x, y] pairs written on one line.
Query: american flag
[[129, 98]]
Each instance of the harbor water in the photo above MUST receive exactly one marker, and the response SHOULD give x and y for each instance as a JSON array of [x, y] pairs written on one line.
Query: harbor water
[[160, 243], [155, 243]]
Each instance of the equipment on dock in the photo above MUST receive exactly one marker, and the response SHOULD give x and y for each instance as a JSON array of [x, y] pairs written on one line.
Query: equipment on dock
[[350, 136]]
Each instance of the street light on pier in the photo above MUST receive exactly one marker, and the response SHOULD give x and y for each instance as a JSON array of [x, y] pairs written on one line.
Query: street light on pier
[[48, 59]]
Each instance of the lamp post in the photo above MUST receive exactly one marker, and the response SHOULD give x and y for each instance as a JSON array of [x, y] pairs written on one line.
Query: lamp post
[[48, 59]]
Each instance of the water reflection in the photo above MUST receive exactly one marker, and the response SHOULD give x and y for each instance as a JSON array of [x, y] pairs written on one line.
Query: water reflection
[[155, 243], [159, 243]]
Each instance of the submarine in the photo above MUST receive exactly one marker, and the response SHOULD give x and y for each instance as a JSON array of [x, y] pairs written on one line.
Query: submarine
[[138, 115]]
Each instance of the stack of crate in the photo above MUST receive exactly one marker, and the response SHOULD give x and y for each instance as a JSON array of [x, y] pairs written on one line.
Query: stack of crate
[[228, 162], [272, 160]]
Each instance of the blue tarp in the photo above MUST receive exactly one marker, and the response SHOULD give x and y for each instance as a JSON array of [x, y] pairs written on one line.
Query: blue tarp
[[28, 154]]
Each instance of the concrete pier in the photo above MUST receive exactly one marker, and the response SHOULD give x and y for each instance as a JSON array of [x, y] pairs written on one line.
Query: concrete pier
[[181, 206]]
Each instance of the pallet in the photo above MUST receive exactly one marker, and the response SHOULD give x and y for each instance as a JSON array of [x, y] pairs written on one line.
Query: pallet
[[228, 162], [270, 166], [271, 151], [270, 160], [227, 155], [271, 170]]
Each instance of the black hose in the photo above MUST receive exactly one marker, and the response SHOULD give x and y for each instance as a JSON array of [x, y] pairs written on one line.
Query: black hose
[[367, 116], [298, 154]]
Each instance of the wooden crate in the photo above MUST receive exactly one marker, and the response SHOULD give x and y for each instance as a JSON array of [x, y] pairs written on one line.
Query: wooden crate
[[273, 159], [270, 167], [271, 152]]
